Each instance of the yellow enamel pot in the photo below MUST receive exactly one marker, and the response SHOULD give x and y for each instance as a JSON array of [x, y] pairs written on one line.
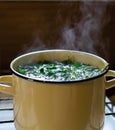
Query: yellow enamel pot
[[52, 105]]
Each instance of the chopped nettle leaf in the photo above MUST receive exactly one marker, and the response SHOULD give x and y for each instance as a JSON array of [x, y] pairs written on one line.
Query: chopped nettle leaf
[[21, 70], [77, 64]]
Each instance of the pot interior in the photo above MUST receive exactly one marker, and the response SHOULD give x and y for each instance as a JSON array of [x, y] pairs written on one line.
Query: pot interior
[[59, 55]]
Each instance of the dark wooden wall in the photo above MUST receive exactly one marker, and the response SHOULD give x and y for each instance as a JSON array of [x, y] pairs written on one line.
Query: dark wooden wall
[[39, 24]]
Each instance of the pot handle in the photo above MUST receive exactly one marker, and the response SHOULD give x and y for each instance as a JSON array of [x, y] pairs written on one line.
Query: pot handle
[[6, 84], [110, 83]]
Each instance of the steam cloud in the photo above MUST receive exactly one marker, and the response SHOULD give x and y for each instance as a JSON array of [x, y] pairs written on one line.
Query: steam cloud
[[36, 45], [86, 35]]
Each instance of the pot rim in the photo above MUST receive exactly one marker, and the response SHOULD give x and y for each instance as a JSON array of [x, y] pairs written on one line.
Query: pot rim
[[56, 81]]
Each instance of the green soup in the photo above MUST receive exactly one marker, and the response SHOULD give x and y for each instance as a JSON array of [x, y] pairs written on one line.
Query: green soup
[[58, 71]]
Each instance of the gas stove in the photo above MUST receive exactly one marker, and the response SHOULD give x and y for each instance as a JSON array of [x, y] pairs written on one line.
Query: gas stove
[[7, 122]]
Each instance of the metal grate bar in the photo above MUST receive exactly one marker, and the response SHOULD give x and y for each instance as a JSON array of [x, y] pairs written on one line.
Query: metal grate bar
[[9, 121], [110, 107]]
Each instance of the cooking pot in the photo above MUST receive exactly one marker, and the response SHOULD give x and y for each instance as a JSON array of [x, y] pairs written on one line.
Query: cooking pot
[[58, 105]]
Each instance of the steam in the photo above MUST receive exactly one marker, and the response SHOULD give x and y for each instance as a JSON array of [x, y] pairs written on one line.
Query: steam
[[68, 38], [36, 45], [87, 34]]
